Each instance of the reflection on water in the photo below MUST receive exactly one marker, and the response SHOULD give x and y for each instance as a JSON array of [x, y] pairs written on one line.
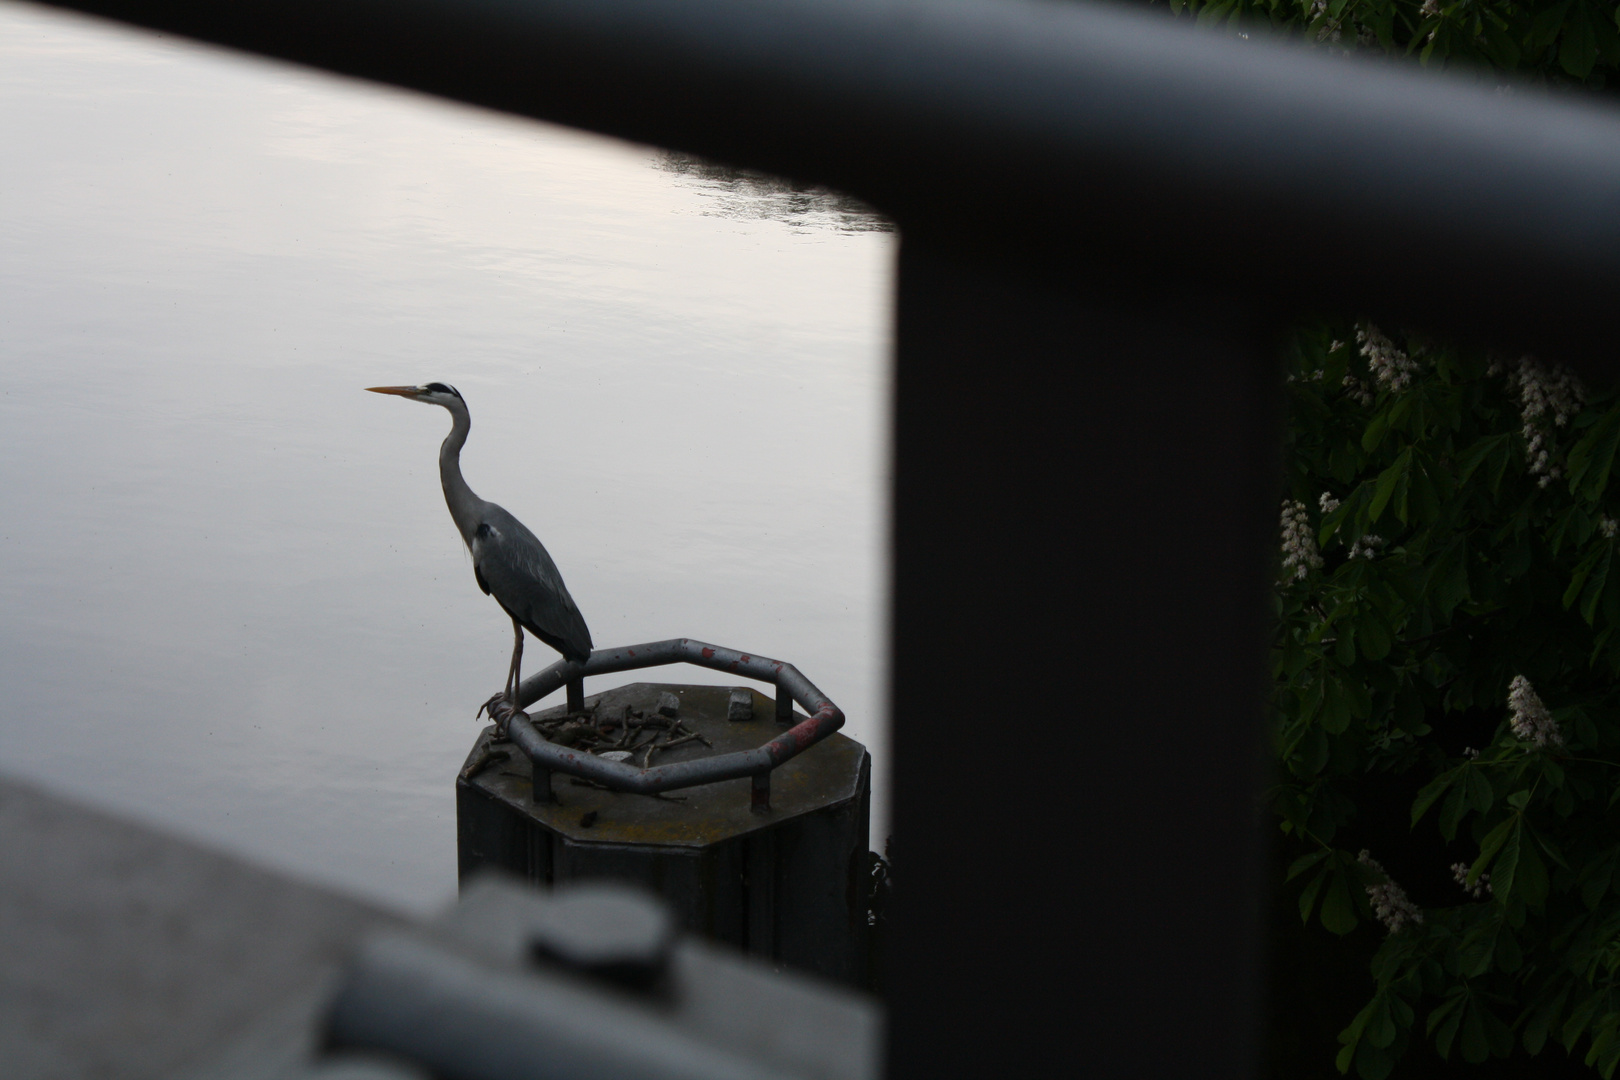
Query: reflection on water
[[749, 195], [231, 599]]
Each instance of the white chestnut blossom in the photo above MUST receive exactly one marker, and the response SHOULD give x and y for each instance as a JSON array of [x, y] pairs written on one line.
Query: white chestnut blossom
[[1300, 555], [1332, 29], [1327, 502], [1547, 393], [1459, 871], [1357, 390], [1389, 901], [1390, 366], [1608, 526], [1367, 547], [1531, 720]]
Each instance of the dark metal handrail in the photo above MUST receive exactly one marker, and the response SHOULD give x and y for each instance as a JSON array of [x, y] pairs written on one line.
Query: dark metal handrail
[[1064, 134], [791, 687]]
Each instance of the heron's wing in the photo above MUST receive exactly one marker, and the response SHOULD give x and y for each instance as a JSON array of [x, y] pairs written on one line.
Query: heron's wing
[[512, 566]]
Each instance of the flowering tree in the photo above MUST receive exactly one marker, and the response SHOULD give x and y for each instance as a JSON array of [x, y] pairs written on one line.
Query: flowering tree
[[1448, 629]]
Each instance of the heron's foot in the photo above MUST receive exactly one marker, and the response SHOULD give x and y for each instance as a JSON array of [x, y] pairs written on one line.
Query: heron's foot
[[499, 707]]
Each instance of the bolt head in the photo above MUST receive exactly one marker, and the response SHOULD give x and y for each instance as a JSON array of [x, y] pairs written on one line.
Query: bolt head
[[610, 932]]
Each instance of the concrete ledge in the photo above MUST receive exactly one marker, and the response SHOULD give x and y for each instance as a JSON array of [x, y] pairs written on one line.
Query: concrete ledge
[[126, 954]]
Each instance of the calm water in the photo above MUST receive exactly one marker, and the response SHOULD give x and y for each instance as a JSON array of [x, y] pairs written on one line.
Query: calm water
[[231, 600]]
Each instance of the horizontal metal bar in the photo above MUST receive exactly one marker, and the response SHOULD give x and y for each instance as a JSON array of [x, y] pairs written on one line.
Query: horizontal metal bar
[[824, 719], [675, 651], [433, 1006], [1072, 135]]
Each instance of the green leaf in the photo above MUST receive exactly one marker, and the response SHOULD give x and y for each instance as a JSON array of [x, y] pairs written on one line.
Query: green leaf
[[1373, 1062], [1432, 791], [1479, 791], [1541, 1019], [1476, 454], [1351, 1035], [1307, 899], [1582, 571], [1592, 459], [1452, 811], [1447, 583], [1504, 50], [1335, 716], [1387, 482], [1544, 30], [1529, 881], [1374, 637], [1595, 878], [1338, 910], [1594, 586], [1475, 1042], [1498, 1036], [1311, 754], [1358, 696], [1445, 1019], [1424, 496], [1304, 863], [1477, 949], [1579, 1017], [1380, 1030], [1509, 957], [1551, 771], [1578, 52], [1345, 648], [1375, 435], [1489, 847]]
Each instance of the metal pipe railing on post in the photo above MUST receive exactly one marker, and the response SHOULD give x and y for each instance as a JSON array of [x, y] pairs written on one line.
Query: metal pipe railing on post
[[825, 718]]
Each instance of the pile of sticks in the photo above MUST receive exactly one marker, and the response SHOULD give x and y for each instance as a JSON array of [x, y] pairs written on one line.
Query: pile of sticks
[[627, 731]]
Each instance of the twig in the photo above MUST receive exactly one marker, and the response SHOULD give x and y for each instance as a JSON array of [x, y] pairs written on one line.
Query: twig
[[483, 761]]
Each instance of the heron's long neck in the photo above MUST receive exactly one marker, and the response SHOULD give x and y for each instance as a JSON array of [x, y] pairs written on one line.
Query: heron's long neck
[[457, 495]]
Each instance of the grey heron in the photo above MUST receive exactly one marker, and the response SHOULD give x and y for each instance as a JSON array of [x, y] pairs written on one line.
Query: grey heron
[[509, 562]]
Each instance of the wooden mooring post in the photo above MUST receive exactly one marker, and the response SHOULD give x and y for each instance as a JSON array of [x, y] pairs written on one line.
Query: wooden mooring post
[[790, 883]]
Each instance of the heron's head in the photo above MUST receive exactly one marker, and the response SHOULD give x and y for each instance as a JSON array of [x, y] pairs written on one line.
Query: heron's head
[[434, 393]]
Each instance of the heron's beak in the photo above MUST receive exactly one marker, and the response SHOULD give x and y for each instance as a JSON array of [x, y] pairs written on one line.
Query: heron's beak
[[402, 391]]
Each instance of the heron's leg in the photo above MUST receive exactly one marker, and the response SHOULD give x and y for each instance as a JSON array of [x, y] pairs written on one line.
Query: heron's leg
[[514, 676]]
